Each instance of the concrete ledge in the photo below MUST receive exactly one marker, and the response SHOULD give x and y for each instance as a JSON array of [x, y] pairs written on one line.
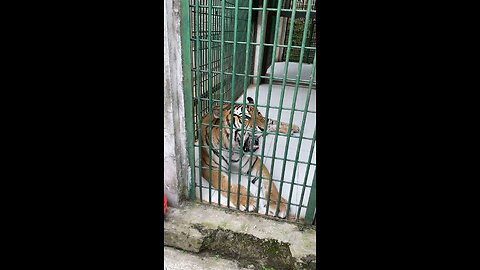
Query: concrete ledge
[[175, 259], [247, 238], [182, 236]]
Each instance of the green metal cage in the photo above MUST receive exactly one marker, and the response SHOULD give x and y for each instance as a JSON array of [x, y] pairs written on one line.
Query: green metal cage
[[230, 52]]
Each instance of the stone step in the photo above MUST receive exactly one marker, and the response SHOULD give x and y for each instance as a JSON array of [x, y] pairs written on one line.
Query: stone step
[[244, 237], [176, 259]]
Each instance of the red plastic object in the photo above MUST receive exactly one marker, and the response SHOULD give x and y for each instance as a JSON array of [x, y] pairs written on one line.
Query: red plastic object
[[164, 204]]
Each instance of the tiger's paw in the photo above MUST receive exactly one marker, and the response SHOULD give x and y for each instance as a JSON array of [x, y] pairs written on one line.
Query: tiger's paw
[[282, 210], [281, 214], [251, 207], [295, 129]]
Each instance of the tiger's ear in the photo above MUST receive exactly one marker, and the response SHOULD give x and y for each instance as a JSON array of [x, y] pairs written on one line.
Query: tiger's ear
[[216, 110], [250, 100]]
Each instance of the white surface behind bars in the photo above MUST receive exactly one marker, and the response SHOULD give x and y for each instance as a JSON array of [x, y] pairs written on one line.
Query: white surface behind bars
[[305, 148], [292, 71]]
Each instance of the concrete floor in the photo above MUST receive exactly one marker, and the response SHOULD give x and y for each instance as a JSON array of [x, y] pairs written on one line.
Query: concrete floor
[[305, 145], [176, 259]]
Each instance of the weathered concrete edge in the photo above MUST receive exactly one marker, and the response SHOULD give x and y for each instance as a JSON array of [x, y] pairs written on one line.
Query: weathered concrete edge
[[183, 236], [241, 247], [196, 237], [301, 237]]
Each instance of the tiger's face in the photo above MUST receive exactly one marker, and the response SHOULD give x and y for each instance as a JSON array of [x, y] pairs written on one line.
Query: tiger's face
[[251, 128]]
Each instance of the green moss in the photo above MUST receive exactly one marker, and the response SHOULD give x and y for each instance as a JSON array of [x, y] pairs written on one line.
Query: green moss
[[273, 249], [208, 225], [247, 249]]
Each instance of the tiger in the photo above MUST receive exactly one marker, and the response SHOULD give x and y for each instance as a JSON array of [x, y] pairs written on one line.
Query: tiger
[[257, 166]]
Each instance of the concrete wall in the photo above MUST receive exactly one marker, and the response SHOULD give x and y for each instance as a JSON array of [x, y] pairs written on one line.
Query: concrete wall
[[174, 138], [258, 38], [282, 30]]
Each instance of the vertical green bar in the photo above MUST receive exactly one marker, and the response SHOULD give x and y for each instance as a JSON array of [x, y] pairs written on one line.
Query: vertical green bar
[[306, 173], [232, 101], [187, 88], [290, 36], [231, 112], [198, 64], [312, 200], [312, 25], [299, 72], [302, 128], [210, 103], [257, 86], [222, 55], [277, 21], [235, 27], [245, 85], [242, 134]]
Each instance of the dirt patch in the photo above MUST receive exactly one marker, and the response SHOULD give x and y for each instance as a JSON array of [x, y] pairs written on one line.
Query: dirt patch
[[248, 250], [308, 262]]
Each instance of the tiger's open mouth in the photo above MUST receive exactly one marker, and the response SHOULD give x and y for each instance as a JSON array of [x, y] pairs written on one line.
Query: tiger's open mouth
[[255, 146]]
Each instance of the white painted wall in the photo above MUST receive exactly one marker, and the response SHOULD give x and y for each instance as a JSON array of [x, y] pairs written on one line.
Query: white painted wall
[[174, 135]]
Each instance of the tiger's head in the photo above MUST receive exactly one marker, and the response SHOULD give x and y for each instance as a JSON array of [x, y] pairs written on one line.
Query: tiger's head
[[251, 128]]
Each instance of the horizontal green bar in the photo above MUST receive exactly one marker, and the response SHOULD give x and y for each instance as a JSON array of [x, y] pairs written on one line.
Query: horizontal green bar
[[253, 76], [267, 9], [290, 160], [273, 133], [274, 180], [294, 204], [263, 106], [256, 44]]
